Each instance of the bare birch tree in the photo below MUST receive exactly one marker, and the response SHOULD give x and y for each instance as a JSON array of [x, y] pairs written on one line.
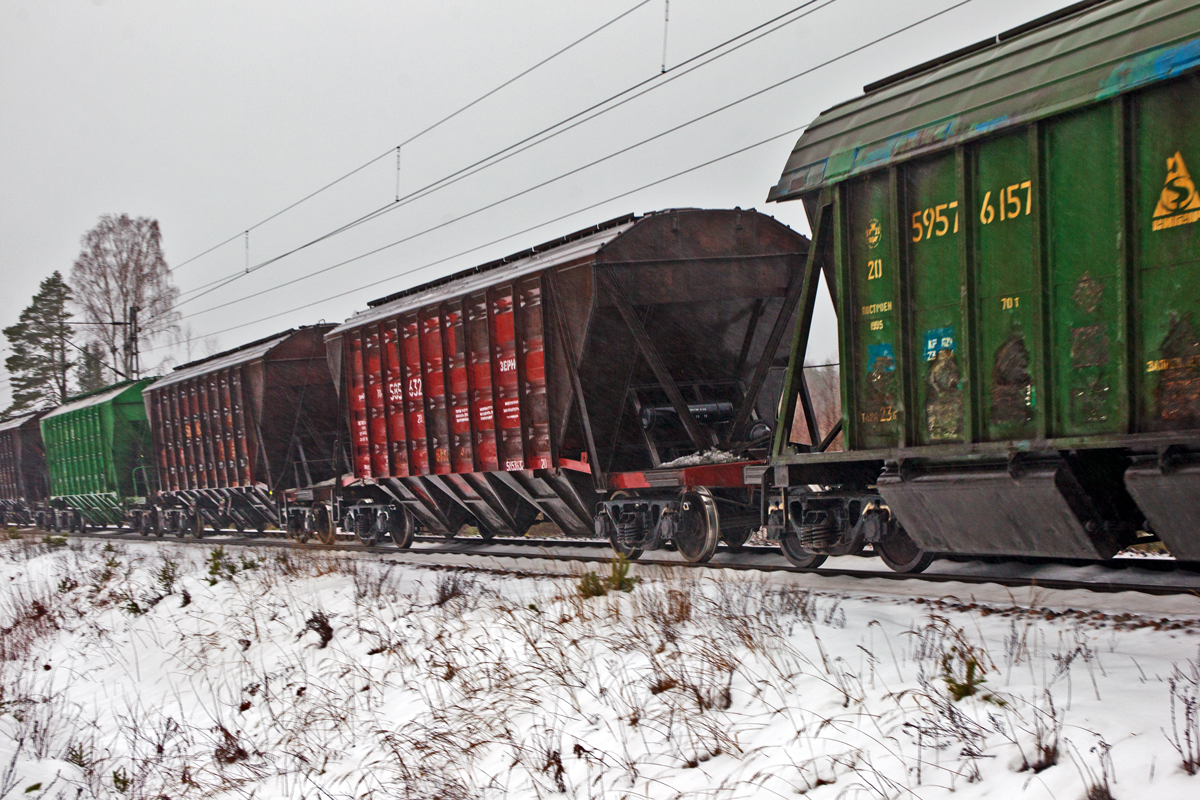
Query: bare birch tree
[[121, 267]]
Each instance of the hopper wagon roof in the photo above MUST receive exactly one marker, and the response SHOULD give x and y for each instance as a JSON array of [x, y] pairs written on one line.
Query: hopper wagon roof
[[580, 244], [17, 422], [97, 398], [1084, 53], [245, 354]]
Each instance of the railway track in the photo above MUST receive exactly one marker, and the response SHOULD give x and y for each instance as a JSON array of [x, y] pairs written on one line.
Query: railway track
[[1148, 576]]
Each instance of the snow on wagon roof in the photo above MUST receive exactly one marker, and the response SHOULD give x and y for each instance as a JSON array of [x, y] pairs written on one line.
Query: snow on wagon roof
[[16, 422], [95, 399], [231, 358], [559, 251]]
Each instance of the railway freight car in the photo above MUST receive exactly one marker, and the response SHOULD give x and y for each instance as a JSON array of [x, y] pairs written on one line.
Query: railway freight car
[[588, 379], [1012, 232], [99, 458], [234, 430], [22, 469]]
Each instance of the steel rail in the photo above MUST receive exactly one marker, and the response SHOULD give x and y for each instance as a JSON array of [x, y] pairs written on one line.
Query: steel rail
[[472, 546]]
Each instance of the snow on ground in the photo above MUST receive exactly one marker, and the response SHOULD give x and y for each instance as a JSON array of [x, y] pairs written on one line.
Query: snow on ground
[[136, 671]]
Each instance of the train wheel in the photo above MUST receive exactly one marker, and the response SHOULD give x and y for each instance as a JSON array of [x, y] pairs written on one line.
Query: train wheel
[[699, 526], [295, 529], [735, 540], [402, 527], [901, 553], [326, 530], [194, 523], [795, 553]]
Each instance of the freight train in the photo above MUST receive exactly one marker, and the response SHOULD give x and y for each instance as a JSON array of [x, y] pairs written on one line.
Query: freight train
[[1008, 238]]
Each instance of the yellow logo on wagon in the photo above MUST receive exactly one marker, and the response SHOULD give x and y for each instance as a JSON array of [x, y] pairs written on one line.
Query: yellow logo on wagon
[[1179, 203]]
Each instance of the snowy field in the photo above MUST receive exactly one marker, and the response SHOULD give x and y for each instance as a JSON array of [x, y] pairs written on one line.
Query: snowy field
[[136, 671]]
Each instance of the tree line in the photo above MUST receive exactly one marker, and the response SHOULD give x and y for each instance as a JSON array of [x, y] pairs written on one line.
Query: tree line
[[78, 335]]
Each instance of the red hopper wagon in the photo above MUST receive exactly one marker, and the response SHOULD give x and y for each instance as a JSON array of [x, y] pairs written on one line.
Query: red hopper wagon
[[615, 381]]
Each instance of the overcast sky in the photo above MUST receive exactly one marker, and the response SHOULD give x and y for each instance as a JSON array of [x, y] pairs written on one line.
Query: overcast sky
[[212, 116]]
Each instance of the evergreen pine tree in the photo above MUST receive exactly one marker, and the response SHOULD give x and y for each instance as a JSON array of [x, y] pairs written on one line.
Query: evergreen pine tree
[[38, 343]]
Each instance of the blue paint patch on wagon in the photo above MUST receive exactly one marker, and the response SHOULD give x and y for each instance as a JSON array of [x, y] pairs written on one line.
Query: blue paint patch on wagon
[[936, 340]]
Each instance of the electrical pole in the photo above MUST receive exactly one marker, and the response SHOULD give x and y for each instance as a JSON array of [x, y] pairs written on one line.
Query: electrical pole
[[132, 362]]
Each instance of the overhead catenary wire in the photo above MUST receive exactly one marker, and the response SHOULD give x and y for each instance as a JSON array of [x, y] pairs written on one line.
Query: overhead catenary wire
[[506, 237], [549, 132], [415, 136], [576, 170]]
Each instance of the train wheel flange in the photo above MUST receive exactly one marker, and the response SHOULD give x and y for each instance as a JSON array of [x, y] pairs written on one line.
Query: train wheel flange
[[325, 528], [901, 553], [194, 523], [735, 541], [699, 527], [402, 527]]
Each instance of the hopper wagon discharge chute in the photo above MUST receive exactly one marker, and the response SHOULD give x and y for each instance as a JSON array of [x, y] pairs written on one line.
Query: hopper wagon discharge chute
[[1012, 236], [616, 382], [235, 431]]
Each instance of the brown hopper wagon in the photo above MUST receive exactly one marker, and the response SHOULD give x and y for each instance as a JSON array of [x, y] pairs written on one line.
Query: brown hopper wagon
[[615, 381], [22, 469], [233, 430]]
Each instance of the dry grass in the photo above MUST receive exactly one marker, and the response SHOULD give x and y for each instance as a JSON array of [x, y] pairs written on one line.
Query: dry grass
[[314, 674]]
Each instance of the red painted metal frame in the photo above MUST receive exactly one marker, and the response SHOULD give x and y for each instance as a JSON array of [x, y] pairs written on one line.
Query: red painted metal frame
[[725, 476]]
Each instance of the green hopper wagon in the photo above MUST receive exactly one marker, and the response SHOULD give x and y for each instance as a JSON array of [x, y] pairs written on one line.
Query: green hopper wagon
[[99, 456], [1011, 232]]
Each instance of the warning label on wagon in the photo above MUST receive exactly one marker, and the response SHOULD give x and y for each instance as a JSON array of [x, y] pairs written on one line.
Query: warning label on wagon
[[1179, 204]]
